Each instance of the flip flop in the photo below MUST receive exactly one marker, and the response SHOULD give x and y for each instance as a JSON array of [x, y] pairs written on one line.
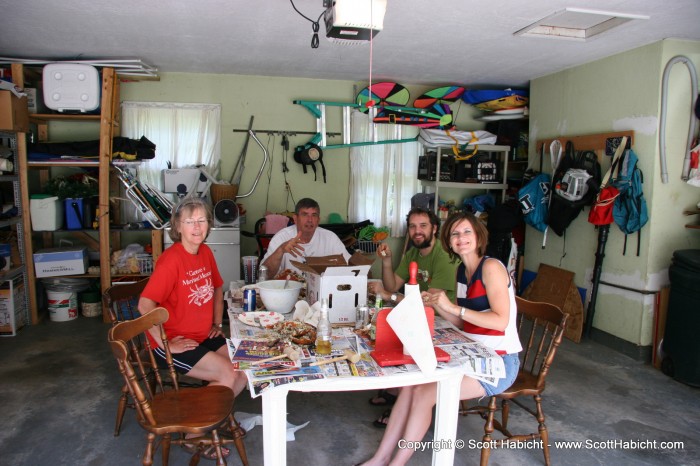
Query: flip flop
[[387, 399], [207, 452], [382, 421]]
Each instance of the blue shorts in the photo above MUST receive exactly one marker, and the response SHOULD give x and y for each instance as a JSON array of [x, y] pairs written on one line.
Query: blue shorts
[[512, 363], [185, 361]]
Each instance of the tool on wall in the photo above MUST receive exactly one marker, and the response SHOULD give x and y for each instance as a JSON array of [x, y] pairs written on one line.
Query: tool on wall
[[262, 166], [662, 121], [240, 164]]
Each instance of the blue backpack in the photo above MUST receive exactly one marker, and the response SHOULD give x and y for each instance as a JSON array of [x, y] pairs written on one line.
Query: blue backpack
[[630, 208], [534, 200], [534, 196]]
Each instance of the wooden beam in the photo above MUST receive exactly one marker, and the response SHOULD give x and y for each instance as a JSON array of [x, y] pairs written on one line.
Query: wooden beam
[[595, 142]]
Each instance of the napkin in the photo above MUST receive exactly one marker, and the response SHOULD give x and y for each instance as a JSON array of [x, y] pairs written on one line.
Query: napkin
[[410, 324], [307, 314], [249, 420]]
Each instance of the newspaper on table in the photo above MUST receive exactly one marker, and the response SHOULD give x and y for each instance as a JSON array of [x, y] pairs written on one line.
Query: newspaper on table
[[247, 345], [474, 359]]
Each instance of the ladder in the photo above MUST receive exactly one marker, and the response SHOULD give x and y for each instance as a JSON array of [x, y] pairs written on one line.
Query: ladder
[[318, 110]]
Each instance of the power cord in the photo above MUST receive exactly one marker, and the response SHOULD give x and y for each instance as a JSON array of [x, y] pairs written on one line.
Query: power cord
[[314, 25]]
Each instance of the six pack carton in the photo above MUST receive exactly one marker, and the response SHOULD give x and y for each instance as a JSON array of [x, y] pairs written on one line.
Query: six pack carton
[[343, 284]]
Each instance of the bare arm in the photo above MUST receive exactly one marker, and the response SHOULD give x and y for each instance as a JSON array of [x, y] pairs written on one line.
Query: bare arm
[[495, 279], [145, 306], [218, 312], [274, 260], [390, 281]]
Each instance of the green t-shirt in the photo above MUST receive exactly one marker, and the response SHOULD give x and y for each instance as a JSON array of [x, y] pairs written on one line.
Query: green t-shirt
[[434, 270]]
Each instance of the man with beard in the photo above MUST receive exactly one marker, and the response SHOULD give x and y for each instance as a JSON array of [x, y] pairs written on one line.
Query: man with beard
[[435, 269], [303, 239], [435, 272]]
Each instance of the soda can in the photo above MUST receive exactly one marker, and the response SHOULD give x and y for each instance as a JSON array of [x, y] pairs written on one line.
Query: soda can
[[249, 300], [361, 317]]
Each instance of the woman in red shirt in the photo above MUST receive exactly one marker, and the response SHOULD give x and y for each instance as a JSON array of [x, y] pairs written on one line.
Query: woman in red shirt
[[186, 281]]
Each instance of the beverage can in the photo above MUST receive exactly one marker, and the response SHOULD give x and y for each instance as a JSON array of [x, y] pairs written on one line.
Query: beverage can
[[249, 300], [361, 317], [379, 302]]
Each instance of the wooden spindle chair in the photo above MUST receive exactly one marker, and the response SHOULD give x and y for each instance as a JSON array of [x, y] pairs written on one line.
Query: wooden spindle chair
[[169, 415], [121, 300], [541, 328]]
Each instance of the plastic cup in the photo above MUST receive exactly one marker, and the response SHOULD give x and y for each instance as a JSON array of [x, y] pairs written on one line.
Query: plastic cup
[[250, 269]]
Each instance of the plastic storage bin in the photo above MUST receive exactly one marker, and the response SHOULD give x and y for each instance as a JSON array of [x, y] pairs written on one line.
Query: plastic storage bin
[[681, 345], [46, 212]]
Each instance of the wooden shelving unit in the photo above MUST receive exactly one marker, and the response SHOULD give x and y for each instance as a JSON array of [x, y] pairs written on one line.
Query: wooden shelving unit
[[108, 128]]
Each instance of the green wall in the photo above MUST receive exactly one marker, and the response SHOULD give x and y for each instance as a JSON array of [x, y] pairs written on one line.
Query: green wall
[[269, 100], [619, 93]]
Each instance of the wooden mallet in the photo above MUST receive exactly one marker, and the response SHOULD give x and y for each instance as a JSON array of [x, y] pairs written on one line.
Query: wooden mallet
[[350, 355], [288, 352]]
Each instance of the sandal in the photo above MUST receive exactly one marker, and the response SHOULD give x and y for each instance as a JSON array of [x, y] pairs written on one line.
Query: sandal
[[386, 398], [207, 452], [383, 420]]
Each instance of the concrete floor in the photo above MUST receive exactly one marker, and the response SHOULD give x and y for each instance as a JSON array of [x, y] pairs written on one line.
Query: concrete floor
[[59, 386]]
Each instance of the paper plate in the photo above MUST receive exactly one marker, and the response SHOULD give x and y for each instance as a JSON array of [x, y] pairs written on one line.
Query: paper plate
[[260, 318]]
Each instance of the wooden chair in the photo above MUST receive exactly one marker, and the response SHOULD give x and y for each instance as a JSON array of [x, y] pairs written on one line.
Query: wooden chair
[[202, 412], [122, 302], [541, 328]]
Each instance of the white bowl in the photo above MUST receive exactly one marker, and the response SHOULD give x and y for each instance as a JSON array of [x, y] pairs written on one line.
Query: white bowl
[[276, 297]]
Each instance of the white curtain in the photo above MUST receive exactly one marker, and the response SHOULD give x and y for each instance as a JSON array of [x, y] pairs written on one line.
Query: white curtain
[[383, 177], [184, 134]]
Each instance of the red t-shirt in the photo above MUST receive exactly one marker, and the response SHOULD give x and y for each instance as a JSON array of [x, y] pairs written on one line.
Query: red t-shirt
[[184, 284]]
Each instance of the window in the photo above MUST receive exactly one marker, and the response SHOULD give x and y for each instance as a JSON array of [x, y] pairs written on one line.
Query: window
[[184, 134], [383, 177]]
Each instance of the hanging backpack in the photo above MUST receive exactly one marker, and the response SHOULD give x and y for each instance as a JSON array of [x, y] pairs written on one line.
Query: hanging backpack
[[575, 184], [630, 209], [308, 155], [534, 197]]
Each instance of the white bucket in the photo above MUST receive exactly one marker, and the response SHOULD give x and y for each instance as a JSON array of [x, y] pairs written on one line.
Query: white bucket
[[63, 305], [46, 213]]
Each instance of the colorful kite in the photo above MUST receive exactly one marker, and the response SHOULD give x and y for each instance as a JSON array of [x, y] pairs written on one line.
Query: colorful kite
[[439, 115], [441, 95], [383, 94]]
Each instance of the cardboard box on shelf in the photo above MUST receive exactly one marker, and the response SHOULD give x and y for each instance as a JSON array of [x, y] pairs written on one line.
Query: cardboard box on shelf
[[54, 262], [14, 115], [343, 284], [12, 306]]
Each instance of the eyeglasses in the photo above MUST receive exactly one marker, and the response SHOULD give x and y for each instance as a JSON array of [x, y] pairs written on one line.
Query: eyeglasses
[[202, 222]]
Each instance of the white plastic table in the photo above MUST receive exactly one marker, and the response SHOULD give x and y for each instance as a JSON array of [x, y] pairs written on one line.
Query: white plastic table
[[274, 403]]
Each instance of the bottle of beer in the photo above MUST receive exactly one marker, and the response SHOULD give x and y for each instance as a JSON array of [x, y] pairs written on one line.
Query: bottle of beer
[[323, 330]]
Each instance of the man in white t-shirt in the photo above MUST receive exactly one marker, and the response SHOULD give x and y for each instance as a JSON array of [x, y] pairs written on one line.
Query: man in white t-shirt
[[303, 239]]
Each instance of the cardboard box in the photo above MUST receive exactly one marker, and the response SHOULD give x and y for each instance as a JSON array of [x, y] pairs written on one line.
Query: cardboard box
[[14, 115], [343, 284], [54, 262], [12, 306]]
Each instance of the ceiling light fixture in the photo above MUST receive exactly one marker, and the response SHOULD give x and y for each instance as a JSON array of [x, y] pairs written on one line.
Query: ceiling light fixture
[[576, 24]]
